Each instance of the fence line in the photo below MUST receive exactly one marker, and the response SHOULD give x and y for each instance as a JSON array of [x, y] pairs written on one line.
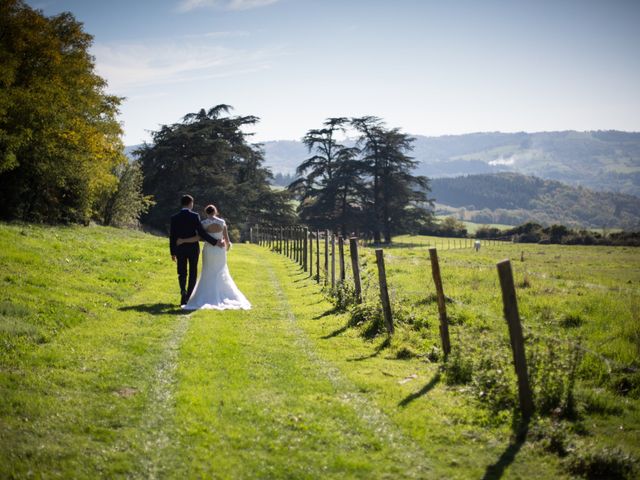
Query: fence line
[[297, 243]]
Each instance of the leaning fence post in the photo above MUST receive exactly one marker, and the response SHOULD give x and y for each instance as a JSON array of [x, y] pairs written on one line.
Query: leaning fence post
[[355, 268], [515, 333], [442, 308], [384, 291]]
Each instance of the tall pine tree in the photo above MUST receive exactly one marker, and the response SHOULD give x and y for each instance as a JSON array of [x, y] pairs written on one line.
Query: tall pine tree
[[329, 186]]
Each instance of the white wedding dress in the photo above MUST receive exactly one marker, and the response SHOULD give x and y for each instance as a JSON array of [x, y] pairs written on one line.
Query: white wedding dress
[[215, 288]]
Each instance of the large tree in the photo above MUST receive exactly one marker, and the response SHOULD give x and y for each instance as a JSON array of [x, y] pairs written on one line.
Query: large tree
[[208, 155], [329, 186], [399, 198], [59, 139], [368, 187]]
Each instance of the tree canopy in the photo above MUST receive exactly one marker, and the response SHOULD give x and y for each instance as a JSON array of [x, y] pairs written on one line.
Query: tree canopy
[[59, 138], [368, 187], [208, 156]]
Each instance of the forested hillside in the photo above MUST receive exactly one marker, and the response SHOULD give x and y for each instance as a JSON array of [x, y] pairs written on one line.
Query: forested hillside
[[511, 198], [601, 160]]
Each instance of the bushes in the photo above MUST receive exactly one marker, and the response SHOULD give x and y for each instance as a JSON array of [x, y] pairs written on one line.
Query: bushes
[[458, 368], [559, 234], [605, 462]]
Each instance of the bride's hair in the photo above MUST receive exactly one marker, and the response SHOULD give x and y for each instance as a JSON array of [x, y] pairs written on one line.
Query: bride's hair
[[211, 209]]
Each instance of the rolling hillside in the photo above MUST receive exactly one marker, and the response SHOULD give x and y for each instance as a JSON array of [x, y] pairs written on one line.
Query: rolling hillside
[[511, 198], [601, 160]]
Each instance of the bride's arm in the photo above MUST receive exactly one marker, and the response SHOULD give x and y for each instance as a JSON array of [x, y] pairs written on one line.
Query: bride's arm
[[226, 237], [194, 239]]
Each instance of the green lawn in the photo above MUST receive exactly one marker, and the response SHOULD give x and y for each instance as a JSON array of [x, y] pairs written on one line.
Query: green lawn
[[101, 376]]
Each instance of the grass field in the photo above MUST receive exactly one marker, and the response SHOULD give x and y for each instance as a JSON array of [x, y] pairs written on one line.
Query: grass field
[[102, 376]]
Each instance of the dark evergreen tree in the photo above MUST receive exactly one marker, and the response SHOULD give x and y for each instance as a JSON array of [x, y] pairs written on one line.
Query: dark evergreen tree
[[399, 199], [208, 156], [330, 186]]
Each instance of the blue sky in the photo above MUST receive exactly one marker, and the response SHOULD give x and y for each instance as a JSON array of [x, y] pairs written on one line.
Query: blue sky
[[428, 67]]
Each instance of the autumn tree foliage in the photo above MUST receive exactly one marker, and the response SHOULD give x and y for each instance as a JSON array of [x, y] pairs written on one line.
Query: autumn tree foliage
[[60, 142]]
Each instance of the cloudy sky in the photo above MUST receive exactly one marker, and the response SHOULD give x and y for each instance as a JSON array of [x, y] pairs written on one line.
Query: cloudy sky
[[431, 67]]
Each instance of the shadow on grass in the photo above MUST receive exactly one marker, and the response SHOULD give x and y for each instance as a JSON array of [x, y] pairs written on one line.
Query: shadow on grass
[[326, 313], [155, 309], [375, 353], [335, 333], [424, 390], [496, 470]]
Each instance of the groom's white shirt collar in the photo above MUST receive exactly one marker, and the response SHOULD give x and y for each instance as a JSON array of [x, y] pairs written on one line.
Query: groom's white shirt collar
[[185, 208]]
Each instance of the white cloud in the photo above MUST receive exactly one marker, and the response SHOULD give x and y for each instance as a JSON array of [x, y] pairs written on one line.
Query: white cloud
[[248, 4], [189, 5], [132, 66]]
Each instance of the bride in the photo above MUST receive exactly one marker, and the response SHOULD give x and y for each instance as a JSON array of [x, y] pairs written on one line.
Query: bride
[[215, 288]]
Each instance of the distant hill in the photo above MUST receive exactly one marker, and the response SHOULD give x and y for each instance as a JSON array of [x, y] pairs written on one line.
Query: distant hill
[[129, 149], [601, 160], [511, 198]]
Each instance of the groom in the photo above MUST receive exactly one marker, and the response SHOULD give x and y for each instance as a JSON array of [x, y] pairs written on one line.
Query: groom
[[185, 224]]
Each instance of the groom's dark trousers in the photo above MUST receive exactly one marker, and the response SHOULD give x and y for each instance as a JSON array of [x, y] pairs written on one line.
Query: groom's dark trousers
[[185, 224]]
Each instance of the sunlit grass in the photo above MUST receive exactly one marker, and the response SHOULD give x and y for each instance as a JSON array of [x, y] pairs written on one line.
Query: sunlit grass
[[101, 376]]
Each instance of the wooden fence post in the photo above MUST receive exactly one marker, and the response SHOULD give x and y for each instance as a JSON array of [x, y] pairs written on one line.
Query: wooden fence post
[[333, 261], [442, 307], [341, 258], [250, 234], [355, 268], [305, 244], [384, 291], [515, 333], [291, 242], [310, 235], [326, 257], [317, 256]]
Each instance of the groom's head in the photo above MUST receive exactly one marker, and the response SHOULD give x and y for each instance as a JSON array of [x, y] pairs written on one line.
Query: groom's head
[[186, 201]]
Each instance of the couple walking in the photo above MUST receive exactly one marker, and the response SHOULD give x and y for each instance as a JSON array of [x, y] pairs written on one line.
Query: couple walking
[[215, 289]]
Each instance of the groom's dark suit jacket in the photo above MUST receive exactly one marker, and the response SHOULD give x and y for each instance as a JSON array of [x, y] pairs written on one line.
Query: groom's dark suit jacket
[[185, 224]]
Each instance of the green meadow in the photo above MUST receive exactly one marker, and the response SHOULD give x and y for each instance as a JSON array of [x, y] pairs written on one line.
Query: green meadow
[[101, 376]]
